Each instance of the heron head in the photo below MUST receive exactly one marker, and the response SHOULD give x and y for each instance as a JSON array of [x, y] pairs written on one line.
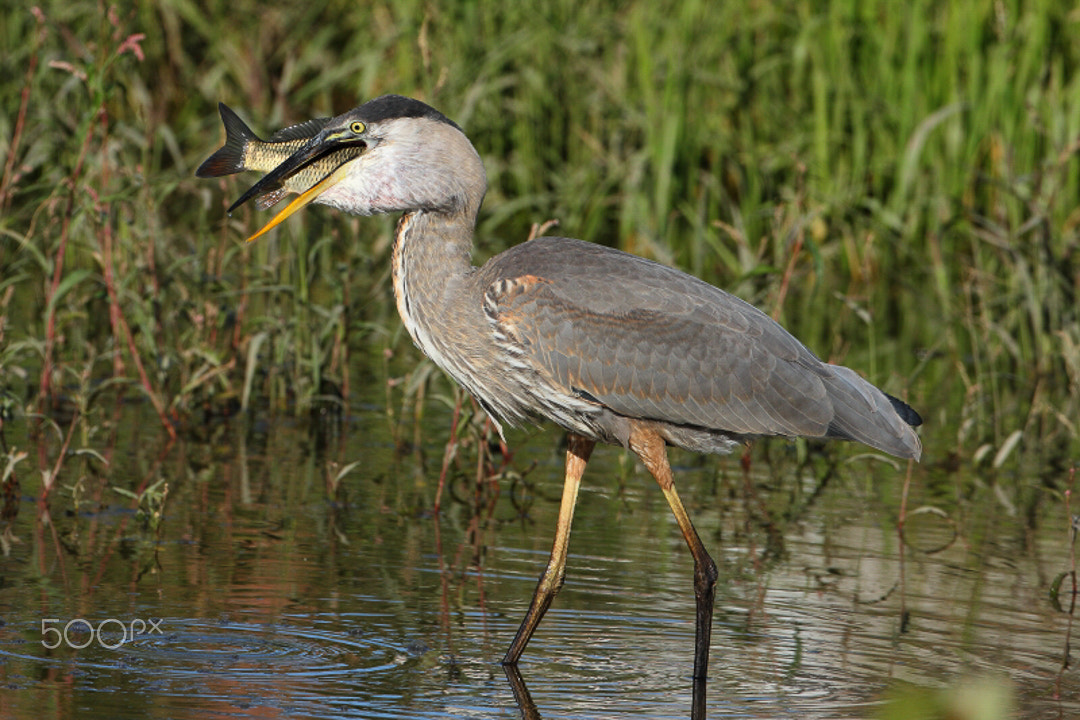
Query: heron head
[[414, 158]]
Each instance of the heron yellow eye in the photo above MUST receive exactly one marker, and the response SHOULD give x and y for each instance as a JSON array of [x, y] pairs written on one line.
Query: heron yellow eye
[[357, 127]]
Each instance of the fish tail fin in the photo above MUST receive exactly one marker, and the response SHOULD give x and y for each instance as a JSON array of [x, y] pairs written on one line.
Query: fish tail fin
[[230, 158]]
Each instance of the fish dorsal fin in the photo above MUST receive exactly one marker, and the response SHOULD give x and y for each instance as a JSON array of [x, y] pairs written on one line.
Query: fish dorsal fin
[[301, 131]]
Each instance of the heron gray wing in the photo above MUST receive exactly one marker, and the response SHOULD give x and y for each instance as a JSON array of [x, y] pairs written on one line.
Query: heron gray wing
[[657, 344]]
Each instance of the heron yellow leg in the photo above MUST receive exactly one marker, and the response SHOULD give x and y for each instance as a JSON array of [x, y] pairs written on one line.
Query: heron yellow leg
[[577, 455], [650, 447]]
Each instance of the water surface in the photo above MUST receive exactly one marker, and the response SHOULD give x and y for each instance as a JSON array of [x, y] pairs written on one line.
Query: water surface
[[264, 590]]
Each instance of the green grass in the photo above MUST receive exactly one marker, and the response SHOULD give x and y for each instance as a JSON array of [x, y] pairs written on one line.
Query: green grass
[[897, 183]]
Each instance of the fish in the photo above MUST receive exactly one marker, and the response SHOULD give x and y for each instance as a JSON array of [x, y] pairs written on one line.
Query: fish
[[244, 150]]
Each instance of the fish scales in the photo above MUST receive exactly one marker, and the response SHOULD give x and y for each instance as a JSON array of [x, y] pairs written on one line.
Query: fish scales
[[244, 150]]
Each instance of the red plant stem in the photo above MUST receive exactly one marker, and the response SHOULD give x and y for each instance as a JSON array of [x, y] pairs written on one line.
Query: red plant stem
[[107, 254], [448, 454], [903, 498], [344, 343], [51, 480], [788, 272], [58, 269], [20, 121], [155, 281], [145, 380], [44, 519], [116, 316]]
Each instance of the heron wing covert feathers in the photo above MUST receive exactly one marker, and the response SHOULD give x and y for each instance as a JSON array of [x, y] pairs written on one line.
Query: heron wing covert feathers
[[663, 345]]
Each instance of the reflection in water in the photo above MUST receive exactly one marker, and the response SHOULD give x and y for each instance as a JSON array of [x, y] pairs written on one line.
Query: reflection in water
[[522, 697], [299, 576]]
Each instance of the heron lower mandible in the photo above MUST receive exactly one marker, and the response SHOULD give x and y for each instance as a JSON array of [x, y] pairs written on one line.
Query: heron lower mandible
[[611, 347]]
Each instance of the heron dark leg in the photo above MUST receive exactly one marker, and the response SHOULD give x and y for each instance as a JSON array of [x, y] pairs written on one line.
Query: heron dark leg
[[577, 454], [650, 447]]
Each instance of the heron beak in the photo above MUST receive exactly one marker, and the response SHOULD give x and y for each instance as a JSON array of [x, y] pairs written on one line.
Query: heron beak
[[301, 200], [319, 146]]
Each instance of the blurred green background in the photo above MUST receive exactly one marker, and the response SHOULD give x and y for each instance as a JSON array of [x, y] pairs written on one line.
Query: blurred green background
[[897, 183]]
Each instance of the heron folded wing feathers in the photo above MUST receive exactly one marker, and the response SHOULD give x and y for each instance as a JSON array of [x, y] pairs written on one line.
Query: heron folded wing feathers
[[664, 346]]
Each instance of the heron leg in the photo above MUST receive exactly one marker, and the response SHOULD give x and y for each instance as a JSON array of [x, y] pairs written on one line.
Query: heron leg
[[577, 454], [650, 447]]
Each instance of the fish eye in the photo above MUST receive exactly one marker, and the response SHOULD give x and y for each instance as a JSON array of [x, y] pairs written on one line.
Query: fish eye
[[357, 127]]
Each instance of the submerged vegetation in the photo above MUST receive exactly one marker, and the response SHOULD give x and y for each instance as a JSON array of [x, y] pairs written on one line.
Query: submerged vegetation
[[897, 184]]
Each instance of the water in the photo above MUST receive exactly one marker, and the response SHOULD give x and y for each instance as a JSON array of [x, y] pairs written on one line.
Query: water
[[266, 591]]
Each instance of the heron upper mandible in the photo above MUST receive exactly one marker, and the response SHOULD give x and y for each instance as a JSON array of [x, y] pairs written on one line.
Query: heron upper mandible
[[611, 347]]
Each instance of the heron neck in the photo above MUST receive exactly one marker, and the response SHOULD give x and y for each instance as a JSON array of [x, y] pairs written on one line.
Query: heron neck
[[431, 262]]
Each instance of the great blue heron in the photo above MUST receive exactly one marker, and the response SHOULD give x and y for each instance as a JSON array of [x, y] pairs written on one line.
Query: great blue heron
[[611, 347]]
